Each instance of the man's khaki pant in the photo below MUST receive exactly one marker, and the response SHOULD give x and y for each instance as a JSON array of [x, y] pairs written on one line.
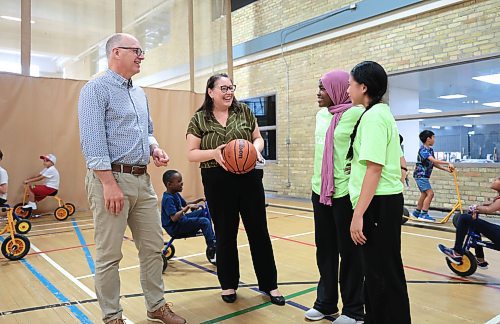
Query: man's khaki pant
[[140, 212]]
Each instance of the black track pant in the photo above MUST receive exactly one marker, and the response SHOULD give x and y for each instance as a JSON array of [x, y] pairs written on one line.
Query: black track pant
[[332, 236], [386, 295]]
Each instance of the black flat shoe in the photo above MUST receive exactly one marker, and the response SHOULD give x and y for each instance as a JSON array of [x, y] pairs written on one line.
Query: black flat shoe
[[231, 298], [277, 300]]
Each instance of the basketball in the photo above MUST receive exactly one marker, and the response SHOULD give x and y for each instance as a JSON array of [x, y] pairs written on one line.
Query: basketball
[[240, 156]]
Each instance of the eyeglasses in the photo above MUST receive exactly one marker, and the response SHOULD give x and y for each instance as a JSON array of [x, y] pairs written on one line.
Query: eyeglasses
[[231, 88], [138, 51]]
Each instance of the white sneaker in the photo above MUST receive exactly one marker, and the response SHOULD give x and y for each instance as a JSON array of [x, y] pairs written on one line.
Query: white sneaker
[[30, 204], [343, 319], [314, 315]]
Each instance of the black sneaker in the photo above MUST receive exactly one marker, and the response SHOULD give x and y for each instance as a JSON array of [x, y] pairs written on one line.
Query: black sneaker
[[211, 256], [482, 265]]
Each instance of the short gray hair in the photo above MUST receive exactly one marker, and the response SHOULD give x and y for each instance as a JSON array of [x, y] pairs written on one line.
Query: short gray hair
[[112, 42]]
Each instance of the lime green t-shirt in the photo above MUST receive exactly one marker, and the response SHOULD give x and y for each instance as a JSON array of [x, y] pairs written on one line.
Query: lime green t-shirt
[[342, 141], [377, 141], [323, 120]]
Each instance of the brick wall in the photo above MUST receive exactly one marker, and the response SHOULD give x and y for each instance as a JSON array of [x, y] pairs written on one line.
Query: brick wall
[[457, 32], [263, 17], [473, 183]]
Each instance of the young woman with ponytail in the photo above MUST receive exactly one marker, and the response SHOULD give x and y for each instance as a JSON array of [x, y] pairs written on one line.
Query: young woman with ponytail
[[375, 190]]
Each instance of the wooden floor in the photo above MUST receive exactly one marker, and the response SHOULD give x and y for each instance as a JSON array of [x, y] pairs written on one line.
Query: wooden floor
[[54, 283]]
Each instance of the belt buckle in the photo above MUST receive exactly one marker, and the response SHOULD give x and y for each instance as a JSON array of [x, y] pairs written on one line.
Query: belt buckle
[[136, 170]]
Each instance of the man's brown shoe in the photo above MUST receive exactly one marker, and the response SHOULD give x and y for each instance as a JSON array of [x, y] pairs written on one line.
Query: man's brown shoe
[[165, 315]]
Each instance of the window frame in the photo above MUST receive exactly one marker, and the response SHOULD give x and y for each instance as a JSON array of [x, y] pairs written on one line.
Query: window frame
[[271, 127], [448, 114]]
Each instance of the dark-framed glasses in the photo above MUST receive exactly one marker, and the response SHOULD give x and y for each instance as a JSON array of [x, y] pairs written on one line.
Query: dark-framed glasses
[[225, 89], [137, 50]]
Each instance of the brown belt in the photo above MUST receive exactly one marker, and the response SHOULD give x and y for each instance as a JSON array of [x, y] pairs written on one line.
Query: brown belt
[[136, 170]]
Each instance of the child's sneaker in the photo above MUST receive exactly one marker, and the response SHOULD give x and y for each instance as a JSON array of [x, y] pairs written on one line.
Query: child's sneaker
[[450, 254], [416, 213], [211, 255], [425, 217], [482, 265], [30, 204]]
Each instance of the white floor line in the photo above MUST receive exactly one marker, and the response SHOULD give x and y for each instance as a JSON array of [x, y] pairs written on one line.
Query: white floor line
[[61, 223], [198, 254], [428, 236], [494, 320], [54, 229], [65, 273], [288, 214]]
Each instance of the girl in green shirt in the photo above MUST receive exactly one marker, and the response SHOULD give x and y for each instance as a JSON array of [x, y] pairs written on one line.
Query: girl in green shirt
[[332, 207], [376, 194]]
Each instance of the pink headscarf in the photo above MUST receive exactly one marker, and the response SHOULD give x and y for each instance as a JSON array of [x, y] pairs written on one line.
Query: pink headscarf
[[335, 83]]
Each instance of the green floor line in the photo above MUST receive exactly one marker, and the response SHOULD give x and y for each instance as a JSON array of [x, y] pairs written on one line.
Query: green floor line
[[251, 309]]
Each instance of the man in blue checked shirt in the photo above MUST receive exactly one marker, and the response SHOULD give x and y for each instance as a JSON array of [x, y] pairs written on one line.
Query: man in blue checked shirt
[[116, 136]]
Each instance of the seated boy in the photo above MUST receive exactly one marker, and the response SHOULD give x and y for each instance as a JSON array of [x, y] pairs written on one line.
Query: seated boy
[[49, 175], [423, 170], [4, 180], [480, 226], [176, 218]]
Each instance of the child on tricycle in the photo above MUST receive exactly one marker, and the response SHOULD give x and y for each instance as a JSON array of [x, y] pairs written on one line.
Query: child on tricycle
[[469, 230]]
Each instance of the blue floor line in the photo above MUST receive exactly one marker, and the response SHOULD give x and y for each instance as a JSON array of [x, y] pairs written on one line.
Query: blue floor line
[[59, 295], [86, 250]]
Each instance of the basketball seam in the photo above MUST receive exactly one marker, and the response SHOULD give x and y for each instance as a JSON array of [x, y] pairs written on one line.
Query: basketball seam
[[233, 168], [228, 160], [236, 145], [246, 159]]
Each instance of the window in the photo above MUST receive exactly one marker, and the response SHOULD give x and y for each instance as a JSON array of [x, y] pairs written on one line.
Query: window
[[67, 38], [10, 25], [459, 103], [264, 108]]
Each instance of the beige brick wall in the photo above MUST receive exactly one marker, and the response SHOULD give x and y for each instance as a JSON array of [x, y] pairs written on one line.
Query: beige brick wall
[[266, 16], [457, 32], [473, 183]]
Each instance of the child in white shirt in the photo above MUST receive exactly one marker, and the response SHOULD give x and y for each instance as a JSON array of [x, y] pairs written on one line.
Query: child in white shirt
[[51, 178]]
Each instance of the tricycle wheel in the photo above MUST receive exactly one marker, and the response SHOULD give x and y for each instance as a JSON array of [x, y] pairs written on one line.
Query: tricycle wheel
[[467, 267]]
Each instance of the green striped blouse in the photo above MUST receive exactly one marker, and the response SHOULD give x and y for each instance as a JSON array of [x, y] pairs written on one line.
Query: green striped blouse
[[240, 124]]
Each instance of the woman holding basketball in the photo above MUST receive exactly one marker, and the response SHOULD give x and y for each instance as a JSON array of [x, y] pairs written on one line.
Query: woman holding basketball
[[376, 195], [332, 206], [219, 120]]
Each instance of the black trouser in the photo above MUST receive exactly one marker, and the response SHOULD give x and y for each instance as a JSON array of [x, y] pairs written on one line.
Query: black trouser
[[386, 295], [480, 226], [229, 195], [332, 235]]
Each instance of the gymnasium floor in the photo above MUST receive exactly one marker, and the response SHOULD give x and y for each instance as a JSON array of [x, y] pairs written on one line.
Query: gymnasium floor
[[54, 283]]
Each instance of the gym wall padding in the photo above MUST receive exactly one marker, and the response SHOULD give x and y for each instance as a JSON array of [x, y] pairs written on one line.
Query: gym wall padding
[[39, 116]]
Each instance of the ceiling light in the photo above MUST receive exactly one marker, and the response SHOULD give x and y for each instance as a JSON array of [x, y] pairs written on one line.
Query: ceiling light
[[436, 127], [472, 116], [467, 125], [490, 78], [429, 110], [492, 104], [453, 96], [14, 18]]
